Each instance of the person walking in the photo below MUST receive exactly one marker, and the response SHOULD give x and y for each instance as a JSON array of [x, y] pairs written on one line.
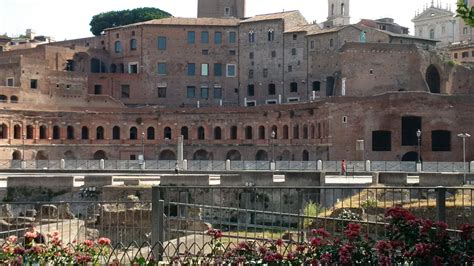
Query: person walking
[[343, 167]]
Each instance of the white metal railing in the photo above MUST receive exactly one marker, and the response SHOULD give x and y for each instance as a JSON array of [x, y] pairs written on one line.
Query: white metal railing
[[219, 165]]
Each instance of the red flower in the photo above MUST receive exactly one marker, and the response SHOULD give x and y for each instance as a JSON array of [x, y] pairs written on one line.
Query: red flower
[[353, 231], [326, 258], [291, 256], [345, 254], [89, 243], [320, 232], [466, 231], [104, 241], [279, 242], [398, 213], [214, 233], [383, 246], [300, 248], [316, 242]]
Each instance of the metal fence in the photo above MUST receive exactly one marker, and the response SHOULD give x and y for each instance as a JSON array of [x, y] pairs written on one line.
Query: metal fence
[[177, 218], [197, 165]]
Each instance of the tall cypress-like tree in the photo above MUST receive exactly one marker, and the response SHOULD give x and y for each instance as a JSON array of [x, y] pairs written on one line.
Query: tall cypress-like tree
[[111, 19]]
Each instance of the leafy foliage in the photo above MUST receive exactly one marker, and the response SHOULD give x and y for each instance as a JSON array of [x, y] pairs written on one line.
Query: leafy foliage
[[111, 19], [465, 12]]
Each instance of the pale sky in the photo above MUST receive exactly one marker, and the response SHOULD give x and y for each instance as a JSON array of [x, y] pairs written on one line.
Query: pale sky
[[69, 19]]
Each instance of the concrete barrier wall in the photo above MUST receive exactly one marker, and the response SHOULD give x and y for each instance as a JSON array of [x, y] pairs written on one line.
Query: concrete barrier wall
[[393, 178], [445, 179], [97, 181], [52, 182]]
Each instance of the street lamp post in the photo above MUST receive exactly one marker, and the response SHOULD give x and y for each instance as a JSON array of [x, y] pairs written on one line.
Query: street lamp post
[[273, 135], [418, 135], [464, 136]]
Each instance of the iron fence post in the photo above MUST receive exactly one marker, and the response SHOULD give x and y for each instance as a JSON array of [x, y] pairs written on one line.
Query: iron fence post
[[441, 204], [158, 222]]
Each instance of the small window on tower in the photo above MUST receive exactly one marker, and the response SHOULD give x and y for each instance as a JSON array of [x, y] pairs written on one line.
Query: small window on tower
[[227, 11]]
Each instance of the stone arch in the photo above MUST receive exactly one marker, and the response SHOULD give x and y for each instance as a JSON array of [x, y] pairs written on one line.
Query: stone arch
[[261, 132], [305, 156], [167, 155], [41, 155], [261, 155], [69, 155], [99, 155], [16, 155], [433, 79], [233, 155], [411, 156], [3, 131], [17, 132], [202, 155]]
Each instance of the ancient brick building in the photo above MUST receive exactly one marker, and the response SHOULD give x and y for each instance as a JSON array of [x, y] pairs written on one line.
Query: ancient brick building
[[226, 84]]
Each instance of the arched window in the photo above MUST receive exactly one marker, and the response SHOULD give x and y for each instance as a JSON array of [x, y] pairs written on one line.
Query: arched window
[[167, 133], [296, 132], [261, 132], [116, 133], [285, 132], [313, 132], [432, 34], [3, 131], [331, 42], [70, 132], [133, 133], [271, 35], [99, 133], [248, 132], [113, 68], [233, 132], [201, 133], [43, 132], [274, 129], [56, 132], [17, 132], [305, 156], [184, 132], [3, 99], [121, 68], [133, 44], [332, 10], [85, 133], [13, 99], [118, 47], [150, 133], [343, 9], [29, 132], [305, 132], [217, 133]]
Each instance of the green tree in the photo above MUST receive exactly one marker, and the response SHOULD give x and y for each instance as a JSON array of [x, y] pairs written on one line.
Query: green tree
[[465, 12], [111, 19]]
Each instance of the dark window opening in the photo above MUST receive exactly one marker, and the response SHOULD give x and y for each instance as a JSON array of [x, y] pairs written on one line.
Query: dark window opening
[[150, 133], [116, 133], [217, 133], [440, 140], [125, 91], [296, 132], [97, 89], [330, 82], [162, 92], [184, 132], [69, 65], [248, 132], [85, 133], [56, 132], [410, 126], [261, 132], [167, 133], [233, 132], [250, 90], [271, 89], [285, 132], [316, 85], [43, 132], [133, 133], [433, 79], [293, 87], [99, 133], [70, 132], [29, 132], [381, 140], [201, 133]]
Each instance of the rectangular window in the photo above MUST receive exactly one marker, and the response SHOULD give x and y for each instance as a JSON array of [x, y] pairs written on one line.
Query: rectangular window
[[133, 68], [455, 55], [190, 92], [251, 90], [251, 55], [410, 126], [218, 37], [204, 37], [161, 68], [217, 69], [204, 70], [295, 37], [232, 52], [381, 141], [231, 70], [251, 103], [232, 37], [465, 54], [293, 100], [274, 54], [10, 82], [265, 72], [161, 92], [217, 93], [161, 43], [294, 87], [191, 69], [227, 11], [97, 89], [191, 37], [204, 93], [312, 44], [316, 85], [290, 68], [250, 73], [125, 91], [33, 84], [440, 140], [271, 101], [205, 52]]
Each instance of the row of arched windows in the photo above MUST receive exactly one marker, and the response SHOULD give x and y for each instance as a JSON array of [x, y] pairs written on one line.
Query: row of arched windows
[[4, 99], [308, 132]]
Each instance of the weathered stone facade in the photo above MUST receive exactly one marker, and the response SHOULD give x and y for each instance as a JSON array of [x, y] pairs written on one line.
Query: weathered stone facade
[[320, 90]]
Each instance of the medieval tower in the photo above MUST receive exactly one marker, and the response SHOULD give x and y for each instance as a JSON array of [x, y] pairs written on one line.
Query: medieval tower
[[221, 9], [338, 13]]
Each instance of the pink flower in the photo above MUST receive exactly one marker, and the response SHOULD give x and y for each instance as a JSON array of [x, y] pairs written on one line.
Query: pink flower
[[353, 231], [104, 241], [383, 246], [279, 242], [316, 242], [31, 234], [321, 232], [89, 243], [214, 233], [12, 239]]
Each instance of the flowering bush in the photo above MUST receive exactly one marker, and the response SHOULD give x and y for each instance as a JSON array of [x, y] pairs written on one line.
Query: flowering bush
[[54, 252]]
